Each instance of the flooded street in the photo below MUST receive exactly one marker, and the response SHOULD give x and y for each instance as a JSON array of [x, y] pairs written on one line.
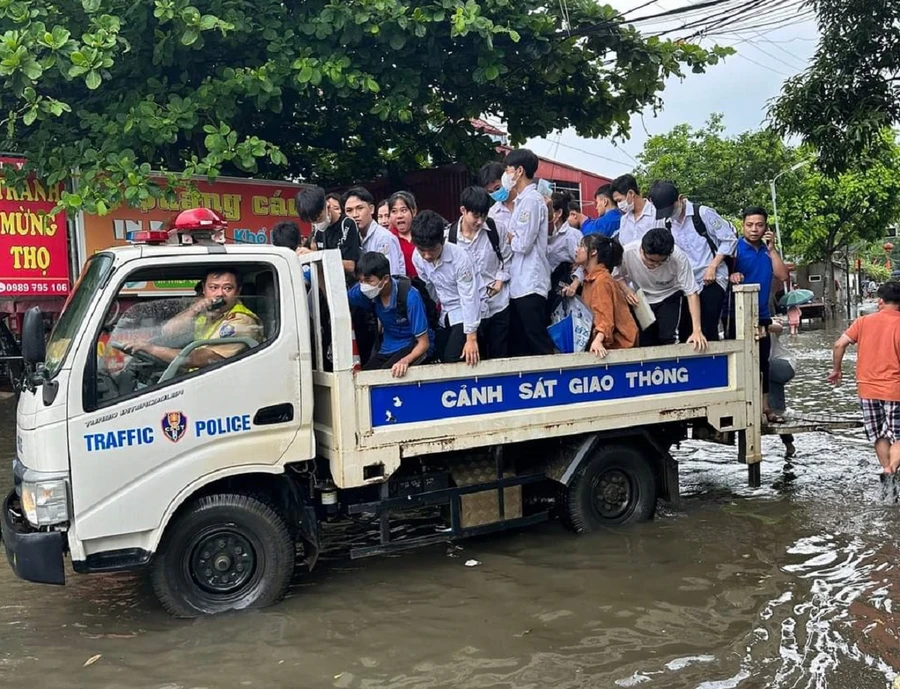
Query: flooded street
[[790, 585]]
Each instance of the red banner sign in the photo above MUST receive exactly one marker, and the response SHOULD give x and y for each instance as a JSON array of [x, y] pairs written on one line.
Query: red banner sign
[[34, 258]]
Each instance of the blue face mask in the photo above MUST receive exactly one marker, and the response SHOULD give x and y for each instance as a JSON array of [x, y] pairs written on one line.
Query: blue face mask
[[500, 195]]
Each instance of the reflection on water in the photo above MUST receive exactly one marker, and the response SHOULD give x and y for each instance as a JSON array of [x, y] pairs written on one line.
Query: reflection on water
[[789, 585]]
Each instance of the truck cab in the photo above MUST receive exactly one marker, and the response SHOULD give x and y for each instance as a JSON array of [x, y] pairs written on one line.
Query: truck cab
[[216, 476]]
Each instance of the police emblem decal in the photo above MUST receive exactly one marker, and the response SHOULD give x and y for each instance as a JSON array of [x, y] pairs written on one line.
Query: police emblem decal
[[174, 425]]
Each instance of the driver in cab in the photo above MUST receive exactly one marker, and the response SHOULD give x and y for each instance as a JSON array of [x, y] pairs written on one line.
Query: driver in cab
[[217, 314]]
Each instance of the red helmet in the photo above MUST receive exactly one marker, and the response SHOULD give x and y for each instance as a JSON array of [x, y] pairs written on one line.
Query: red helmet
[[203, 219]]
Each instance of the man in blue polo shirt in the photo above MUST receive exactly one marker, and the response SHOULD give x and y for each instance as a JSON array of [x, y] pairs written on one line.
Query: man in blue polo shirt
[[756, 262], [406, 339], [608, 215]]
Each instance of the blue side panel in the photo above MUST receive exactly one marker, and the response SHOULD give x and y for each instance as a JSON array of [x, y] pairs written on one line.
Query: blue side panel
[[416, 402]]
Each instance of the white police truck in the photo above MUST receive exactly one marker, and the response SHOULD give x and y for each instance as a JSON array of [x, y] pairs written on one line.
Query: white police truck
[[218, 478]]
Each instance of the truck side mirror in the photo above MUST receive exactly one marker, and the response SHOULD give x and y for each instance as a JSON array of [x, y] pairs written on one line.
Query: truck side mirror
[[34, 347]]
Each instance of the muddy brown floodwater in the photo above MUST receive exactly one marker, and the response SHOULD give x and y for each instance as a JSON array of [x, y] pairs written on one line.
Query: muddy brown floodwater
[[790, 585]]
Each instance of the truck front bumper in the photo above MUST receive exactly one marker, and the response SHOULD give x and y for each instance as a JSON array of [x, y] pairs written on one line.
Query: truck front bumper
[[33, 555]]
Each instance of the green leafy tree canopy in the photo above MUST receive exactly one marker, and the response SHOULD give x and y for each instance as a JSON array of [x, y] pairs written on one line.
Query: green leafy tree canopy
[[725, 173], [335, 91], [820, 213], [851, 92]]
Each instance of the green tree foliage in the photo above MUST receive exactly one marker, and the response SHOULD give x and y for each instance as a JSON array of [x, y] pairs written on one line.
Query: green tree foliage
[[851, 91], [820, 214], [726, 173], [331, 90], [827, 214]]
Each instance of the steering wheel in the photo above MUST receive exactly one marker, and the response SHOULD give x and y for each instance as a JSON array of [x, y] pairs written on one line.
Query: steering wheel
[[140, 354], [111, 317]]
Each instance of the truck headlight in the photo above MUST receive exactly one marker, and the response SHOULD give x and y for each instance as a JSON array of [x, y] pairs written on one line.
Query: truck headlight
[[45, 502]]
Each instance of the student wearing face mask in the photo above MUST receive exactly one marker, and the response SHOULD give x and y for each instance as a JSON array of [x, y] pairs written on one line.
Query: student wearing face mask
[[609, 217], [406, 339], [342, 234], [638, 214], [530, 267], [489, 178], [708, 240]]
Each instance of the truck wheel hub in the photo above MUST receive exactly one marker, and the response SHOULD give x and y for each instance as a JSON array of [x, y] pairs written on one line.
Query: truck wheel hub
[[222, 562], [612, 494]]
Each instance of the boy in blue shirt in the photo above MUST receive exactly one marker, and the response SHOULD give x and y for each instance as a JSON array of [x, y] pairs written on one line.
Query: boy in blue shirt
[[406, 339], [608, 215], [757, 262]]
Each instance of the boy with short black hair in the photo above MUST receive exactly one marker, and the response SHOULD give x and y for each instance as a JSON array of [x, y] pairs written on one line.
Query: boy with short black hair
[[664, 274], [286, 234], [405, 336], [475, 232], [757, 262], [452, 279], [530, 267], [342, 234], [608, 217], [877, 336]]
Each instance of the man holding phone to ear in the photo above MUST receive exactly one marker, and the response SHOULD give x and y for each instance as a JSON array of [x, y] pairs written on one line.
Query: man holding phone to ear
[[217, 314]]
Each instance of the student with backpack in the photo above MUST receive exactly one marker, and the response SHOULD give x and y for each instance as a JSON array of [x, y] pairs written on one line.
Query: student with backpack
[[709, 241], [451, 278], [491, 255], [406, 338]]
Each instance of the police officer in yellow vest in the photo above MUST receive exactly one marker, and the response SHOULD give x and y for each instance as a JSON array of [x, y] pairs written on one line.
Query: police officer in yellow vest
[[217, 315]]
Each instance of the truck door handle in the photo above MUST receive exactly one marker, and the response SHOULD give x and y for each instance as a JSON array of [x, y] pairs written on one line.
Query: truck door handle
[[277, 413]]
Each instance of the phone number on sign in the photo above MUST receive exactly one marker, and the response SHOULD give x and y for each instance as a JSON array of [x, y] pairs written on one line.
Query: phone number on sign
[[34, 287]]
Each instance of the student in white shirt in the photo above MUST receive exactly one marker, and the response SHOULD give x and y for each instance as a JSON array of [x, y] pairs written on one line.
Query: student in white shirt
[[489, 250], [451, 279], [562, 244], [707, 239], [664, 274], [359, 204], [530, 268], [489, 177], [638, 214]]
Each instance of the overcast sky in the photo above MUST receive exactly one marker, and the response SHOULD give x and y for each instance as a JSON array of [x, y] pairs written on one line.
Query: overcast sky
[[740, 88]]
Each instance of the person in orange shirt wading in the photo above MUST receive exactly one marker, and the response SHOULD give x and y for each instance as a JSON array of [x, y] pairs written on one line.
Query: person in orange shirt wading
[[877, 336], [614, 326]]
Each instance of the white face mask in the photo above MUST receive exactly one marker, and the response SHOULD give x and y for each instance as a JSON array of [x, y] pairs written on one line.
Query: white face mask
[[320, 226], [370, 291], [625, 206], [507, 181]]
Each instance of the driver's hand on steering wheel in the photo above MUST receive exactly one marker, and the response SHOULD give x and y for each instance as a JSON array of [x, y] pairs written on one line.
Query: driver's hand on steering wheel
[[134, 347]]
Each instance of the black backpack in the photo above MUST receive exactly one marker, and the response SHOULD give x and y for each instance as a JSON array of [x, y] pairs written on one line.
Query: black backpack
[[404, 284], [700, 228], [492, 233]]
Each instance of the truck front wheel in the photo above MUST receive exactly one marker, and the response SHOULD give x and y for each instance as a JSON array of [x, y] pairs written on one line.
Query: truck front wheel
[[614, 486], [223, 552]]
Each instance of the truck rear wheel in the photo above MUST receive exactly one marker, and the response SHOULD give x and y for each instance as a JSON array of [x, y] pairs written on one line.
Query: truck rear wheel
[[224, 552], [615, 486]]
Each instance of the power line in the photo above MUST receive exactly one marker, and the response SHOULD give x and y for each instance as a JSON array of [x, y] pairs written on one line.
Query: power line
[[593, 155]]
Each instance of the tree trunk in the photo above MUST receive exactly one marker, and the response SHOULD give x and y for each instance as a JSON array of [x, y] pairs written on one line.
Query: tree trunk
[[829, 292]]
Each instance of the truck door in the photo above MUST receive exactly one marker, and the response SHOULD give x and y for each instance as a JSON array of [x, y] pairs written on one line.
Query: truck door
[[192, 372]]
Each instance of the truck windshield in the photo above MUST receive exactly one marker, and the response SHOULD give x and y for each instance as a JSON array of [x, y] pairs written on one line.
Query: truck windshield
[[75, 311]]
